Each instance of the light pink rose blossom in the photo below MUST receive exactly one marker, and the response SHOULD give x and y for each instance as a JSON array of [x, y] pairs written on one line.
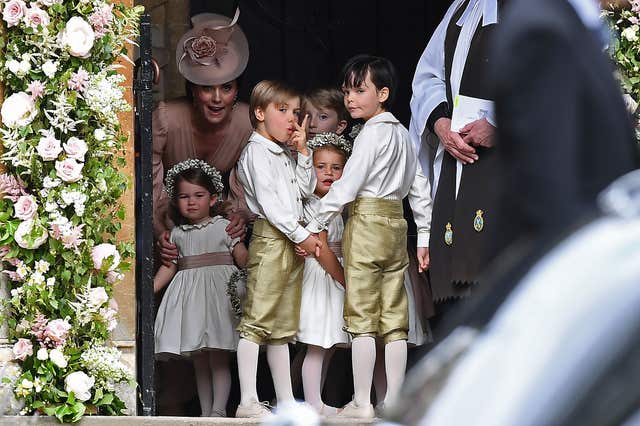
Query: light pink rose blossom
[[79, 80], [22, 349], [69, 170], [57, 331], [36, 16], [75, 148], [13, 12], [26, 207], [113, 277], [49, 147], [25, 229], [36, 88], [101, 252]]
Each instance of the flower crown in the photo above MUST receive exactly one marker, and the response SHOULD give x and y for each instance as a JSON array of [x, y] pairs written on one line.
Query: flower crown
[[192, 163], [331, 138]]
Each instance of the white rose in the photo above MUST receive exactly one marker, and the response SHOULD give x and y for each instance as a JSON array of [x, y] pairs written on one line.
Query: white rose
[[49, 68], [24, 67], [58, 358], [26, 228], [49, 148], [80, 384], [75, 148], [36, 16], [26, 207], [13, 66], [13, 12], [18, 110], [101, 252], [42, 354], [99, 134], [97, 296], [78, 36], [69, 170], [6, 355], [50, 2]]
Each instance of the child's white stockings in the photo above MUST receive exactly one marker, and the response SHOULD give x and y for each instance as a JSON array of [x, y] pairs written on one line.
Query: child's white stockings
[[312, 378], [212, 375], [363, 358], [380, 375], [279, 363], [248, 370], [395, 358]]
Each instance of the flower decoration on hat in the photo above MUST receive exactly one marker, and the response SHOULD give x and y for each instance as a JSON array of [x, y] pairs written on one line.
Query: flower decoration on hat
[[330, 138], [192, 163]]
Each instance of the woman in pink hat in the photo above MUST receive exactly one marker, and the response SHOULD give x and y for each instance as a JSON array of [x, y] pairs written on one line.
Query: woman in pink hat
[[209, 124]]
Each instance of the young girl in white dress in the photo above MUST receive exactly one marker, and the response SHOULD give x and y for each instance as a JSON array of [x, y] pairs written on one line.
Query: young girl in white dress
[[321, 319], [197, 315]]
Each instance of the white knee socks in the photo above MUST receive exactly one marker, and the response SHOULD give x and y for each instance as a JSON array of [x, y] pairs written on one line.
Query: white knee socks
[[279, 363], [203, 382], [380, 375], [221, 375], [247, 370], [363, 358], [396, 363], [312, 376]]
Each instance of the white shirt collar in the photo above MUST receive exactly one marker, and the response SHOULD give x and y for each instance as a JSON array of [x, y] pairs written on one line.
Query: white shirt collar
[[489, 12], [274, 147], [382, 118], [588, 11]]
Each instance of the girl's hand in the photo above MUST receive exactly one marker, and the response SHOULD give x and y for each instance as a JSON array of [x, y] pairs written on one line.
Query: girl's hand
[[299, 137], [311, 245], [300, 252]]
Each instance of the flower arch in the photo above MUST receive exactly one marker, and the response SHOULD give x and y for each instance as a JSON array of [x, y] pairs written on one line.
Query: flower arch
[[59, 195]]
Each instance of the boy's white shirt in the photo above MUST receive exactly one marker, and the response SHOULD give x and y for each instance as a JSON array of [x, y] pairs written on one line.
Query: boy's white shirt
[[384, 164], [274, 185]]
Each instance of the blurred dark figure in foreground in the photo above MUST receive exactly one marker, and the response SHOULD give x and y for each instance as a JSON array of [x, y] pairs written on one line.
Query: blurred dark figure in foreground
[[563, 130]]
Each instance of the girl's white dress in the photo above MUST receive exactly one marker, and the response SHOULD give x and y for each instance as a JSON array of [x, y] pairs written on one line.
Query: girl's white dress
[[321, 318], [196, 312]]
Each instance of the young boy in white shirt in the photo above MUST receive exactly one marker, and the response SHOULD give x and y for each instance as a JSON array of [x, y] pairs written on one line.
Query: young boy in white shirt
[[274, 186], [382, 170]]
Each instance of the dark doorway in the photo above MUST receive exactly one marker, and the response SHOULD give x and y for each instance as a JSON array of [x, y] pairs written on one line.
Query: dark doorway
[[306, 42]]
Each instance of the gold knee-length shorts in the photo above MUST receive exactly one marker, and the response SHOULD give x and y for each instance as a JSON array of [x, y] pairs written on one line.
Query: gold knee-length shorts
[[274, 283], [375, 258]]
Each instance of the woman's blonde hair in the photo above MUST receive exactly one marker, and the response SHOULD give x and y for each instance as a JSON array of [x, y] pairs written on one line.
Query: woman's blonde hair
[[267, 92]]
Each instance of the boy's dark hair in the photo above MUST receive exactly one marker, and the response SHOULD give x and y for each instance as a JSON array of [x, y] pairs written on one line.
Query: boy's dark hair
[[381, 72], [197, 177]]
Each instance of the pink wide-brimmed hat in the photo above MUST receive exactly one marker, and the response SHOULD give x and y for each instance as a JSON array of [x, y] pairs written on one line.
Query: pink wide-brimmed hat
[[214, 51]]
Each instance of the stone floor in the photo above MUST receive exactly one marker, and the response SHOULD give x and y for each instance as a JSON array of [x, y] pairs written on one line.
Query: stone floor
[[157, 421]]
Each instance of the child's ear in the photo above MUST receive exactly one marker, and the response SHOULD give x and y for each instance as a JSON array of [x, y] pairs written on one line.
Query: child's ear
[[342, 124], [259, 113], [383, 95], [213, 200]]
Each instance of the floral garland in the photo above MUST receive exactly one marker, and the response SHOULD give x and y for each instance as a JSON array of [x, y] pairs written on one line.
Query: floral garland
[[59, 194], [624, 23], [192, 163], [232, 290], [331, 138]]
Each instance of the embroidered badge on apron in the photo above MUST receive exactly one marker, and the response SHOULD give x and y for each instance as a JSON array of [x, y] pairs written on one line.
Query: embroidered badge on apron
[[448, 235], [478, 221]]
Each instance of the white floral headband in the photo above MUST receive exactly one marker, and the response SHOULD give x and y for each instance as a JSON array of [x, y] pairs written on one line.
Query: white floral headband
[[331, 138], [192, 163]]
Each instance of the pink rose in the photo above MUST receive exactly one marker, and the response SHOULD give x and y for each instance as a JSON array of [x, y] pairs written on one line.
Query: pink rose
[[57, 331], [49, 147], [25, 208], [113, 277], [22, 349], [13, 12], [103, 251], [75, 148], [36, 16], [69, 170]]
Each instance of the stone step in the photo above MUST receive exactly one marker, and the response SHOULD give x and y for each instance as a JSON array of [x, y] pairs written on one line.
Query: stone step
[[159, 421]]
